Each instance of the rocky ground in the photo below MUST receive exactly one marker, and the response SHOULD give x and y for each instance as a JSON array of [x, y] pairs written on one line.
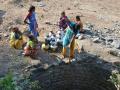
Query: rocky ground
[[101, 22]]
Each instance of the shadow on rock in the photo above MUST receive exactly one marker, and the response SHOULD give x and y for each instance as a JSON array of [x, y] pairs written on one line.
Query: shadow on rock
[[88, 72]]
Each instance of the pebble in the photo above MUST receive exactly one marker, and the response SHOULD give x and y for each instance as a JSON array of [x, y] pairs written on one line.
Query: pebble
[[80, 37], [96, 40], [6, 35], [48, 23]]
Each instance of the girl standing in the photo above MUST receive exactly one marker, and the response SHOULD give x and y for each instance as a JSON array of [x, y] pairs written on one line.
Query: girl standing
[[63, 23], [32, 22]]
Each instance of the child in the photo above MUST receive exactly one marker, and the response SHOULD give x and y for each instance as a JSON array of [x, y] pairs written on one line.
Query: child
[[63, 24], [53, 43], [45, 46], [16, 38], [60, 35], [50, 41], [30, 48]]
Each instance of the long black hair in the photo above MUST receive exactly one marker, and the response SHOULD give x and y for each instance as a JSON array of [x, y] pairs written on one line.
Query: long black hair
[[31, 37], [63, 13], [78, 18], [32, 8]]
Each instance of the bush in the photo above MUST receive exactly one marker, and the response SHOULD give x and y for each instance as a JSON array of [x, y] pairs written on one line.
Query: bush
[[7, 83], [115, 79]]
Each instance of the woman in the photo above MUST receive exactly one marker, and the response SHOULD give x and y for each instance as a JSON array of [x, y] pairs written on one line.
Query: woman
[[32, 22], [16, 38], [76, 27], [69, 39]]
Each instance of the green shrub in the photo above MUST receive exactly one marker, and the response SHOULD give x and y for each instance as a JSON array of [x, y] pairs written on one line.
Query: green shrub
[[7, 83], [115, 79]]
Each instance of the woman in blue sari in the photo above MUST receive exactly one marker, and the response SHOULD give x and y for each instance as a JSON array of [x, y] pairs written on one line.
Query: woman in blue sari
[[31, 21]]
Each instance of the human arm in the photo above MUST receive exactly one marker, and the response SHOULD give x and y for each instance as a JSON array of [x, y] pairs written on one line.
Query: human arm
[[25, 20], [60, 22], [36, 19]]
